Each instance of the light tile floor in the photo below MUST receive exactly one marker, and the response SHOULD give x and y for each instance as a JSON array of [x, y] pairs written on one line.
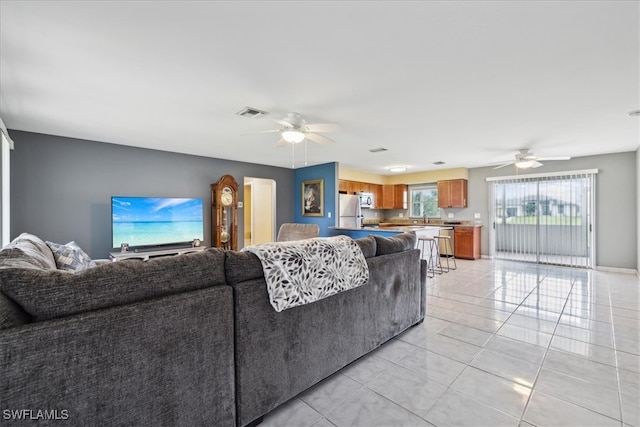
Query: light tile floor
[[503, 344]]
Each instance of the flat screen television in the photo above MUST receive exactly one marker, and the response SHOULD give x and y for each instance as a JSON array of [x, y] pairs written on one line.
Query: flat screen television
[[148, 222]]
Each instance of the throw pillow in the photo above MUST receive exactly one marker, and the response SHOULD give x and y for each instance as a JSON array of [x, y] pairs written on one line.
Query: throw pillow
[[70, 257], [27, 251], [367, 246]]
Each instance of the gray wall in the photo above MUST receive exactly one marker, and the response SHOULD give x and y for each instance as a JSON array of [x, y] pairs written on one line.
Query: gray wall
[[61, 188], [616, 206]]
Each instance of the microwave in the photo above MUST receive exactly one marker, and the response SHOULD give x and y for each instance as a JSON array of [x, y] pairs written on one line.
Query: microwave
[[366, 200]]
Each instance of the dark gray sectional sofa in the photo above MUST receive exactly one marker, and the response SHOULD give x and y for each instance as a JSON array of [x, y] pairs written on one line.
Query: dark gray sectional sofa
[[183, 341]]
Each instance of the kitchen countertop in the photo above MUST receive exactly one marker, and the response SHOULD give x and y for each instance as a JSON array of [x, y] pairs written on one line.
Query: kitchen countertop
[[395, 229], [396, 224]]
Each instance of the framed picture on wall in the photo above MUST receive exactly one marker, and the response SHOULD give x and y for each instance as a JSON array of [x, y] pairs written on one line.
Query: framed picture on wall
[[313, 197]]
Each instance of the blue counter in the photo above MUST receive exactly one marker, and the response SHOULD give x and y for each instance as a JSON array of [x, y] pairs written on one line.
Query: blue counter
[[356, 233]]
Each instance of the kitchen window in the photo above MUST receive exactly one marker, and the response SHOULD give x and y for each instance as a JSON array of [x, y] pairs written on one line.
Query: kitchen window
[[424, 201]]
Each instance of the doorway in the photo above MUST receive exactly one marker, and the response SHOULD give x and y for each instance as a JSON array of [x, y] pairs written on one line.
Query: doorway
[[544, 218], [259, 210]]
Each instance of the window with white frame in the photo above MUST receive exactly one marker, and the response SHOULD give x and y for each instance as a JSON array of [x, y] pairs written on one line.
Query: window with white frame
[[424, 200]]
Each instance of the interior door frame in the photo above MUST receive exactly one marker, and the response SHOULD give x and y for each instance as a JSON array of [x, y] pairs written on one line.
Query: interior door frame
[[250, 181]]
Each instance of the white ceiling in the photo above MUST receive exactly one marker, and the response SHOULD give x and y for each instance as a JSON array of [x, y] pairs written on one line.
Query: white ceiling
[[464, 82]]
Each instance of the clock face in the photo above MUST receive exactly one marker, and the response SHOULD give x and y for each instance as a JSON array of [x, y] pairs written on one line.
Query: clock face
[[226, 198]]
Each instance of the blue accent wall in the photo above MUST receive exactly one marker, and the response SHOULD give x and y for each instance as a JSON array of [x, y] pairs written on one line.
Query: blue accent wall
[[329, 173]]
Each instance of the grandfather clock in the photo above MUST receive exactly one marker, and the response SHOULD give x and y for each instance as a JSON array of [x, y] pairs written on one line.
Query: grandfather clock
[[224, 213]]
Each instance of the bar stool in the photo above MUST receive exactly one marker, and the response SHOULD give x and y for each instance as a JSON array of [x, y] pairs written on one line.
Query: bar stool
[[432, 260], [448, 249]]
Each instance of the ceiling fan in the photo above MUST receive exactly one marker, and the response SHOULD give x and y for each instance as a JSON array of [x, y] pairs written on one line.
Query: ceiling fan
[[295, 129], [526, 159]]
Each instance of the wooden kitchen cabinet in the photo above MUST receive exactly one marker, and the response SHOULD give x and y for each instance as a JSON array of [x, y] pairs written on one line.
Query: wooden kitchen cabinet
[[394, 196], [400, 196], [353, 187], [384, 196], [348, 187], [388, 197], [452, 193], [376, 189], [466, 242]]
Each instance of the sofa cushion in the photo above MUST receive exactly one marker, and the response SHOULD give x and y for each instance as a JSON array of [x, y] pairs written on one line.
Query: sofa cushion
[[367, 246], [242, 266], [399, 243], [27, 251], [70, 257], [50, 294]]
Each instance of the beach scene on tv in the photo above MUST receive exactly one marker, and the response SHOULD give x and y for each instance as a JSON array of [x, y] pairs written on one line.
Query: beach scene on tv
[[147, 221]]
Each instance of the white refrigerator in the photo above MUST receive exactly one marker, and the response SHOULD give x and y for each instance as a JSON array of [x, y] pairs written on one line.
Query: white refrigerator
[[350, 214]]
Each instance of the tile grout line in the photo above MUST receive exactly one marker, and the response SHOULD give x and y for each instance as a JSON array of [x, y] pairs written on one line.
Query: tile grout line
[[615, 354], [546, 351], [493, 334]]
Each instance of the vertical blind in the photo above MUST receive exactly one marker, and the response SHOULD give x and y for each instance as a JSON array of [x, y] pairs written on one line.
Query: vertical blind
[[544, 218]]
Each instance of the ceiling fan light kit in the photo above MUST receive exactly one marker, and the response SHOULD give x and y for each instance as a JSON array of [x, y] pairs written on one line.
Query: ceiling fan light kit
[[526, 159], [293, 136], [295, 130], [525, 164]]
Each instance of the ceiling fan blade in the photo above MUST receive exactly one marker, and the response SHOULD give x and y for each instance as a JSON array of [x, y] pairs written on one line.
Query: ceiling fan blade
[[536, 164], [283, 123], [323, 127], [503, 165], [262, 131], [554, 158], [320, 139], [282, 143]]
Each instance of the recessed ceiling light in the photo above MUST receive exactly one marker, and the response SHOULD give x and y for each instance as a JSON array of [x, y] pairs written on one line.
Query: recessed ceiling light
[[635, 113]]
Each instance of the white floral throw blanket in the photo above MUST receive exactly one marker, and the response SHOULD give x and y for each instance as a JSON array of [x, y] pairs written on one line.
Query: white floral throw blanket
[[303, 271]]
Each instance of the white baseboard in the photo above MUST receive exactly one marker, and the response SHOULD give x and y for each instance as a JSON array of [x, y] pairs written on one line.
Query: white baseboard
[[617, 270]]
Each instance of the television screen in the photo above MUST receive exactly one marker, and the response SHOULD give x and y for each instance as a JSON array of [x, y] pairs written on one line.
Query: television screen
[[156, 221]]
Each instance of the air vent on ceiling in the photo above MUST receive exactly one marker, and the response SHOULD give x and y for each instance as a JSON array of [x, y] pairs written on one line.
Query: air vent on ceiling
[[378, 150], [252, 113], [438, 163]]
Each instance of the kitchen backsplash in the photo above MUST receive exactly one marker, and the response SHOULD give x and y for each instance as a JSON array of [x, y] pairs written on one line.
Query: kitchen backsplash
[[375, 216]]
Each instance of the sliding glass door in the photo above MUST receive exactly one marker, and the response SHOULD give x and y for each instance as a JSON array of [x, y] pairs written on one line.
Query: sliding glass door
[[544, 218]]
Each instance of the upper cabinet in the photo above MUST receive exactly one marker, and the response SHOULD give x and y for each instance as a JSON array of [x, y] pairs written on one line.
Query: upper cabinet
[[394, 197], [352, 187], [343, 186], [384, 196], [452, 193]]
